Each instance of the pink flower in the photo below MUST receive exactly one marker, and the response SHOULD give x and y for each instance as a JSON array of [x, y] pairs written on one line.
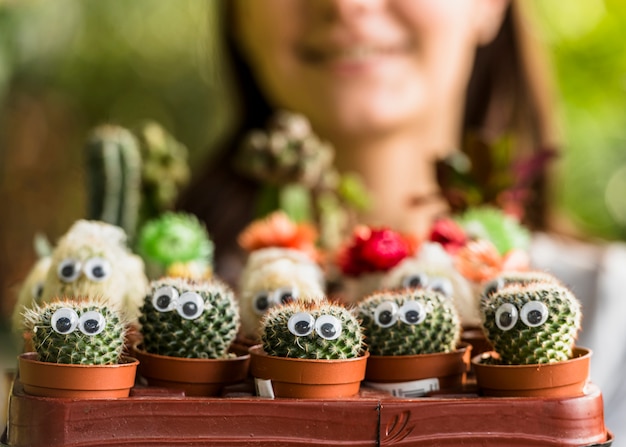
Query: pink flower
[[449, 234], [373, 250]]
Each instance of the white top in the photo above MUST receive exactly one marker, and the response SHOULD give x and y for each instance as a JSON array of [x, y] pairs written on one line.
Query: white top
[[596, 274]]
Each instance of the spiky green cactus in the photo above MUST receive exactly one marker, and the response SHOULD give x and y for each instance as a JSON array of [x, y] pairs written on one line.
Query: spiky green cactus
[[174, 238], [409, 322], [517, 277], [114, 177], [312, 330], [85, 332], [185, 318], [531, 323]]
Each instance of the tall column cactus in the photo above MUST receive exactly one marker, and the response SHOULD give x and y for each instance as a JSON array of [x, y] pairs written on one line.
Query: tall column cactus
[[114, 177]]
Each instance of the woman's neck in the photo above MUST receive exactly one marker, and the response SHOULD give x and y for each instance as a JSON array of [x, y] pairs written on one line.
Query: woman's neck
[[399, 171]]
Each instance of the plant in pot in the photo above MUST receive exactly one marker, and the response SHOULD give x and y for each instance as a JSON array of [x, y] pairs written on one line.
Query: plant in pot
[[309, 350], [79, 345], [532, 326], [187, 328], [413, 339], [281, 267]]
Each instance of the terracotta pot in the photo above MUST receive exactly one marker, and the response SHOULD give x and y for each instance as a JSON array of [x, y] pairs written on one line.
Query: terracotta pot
[[416, 375], [476, 337], [559, 379], [309, 378], [196, 377], [76, 381]]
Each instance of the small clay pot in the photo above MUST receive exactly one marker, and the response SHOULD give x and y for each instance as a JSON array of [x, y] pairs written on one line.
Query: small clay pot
[[196, 377], [309, 378], [559, 379], [76, 381], [438, 371]]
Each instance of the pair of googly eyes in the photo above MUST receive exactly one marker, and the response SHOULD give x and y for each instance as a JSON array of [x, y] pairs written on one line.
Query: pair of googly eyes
[[96, 269], [532, 314], [388, 313], [266, 299], [423, 281], [188, 305], [302, 324], [65, 321]]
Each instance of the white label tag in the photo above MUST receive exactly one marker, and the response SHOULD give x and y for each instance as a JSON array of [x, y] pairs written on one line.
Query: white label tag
[[414, 388], [264, 388]]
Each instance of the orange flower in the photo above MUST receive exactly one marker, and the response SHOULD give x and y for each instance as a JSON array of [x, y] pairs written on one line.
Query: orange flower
[[478, 260], [278, 230]]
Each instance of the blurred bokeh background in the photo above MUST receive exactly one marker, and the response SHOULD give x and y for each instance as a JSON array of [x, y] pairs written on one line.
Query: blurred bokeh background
[[68, 65]]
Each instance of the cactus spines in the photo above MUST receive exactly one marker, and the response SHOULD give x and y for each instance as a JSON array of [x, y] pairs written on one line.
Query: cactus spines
[[531, 323], [273, 276], [312, 330], [114, 175], [93, 260], [186, 318], [76, 331], [517, 277], [409, 322]]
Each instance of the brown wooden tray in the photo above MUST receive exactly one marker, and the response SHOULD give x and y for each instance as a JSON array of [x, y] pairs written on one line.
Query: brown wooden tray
[[157, 416]]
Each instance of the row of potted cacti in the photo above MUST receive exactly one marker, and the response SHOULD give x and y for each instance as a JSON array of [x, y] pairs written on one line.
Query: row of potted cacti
[[530, 319]]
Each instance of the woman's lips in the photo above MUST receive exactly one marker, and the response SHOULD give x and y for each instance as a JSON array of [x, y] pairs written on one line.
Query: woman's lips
[[358, 53]]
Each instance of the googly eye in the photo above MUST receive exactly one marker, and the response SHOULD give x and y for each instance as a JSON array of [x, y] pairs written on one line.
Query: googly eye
[[492, 287], [417, 281], [164, 298], [68, 270], [386, 314], [36, 291], [97, 269], [91, 323], [301, 324], [64, 320], [506, 316], [534, 313], [328, 327], [412, 312], [286, 295], [441, 285], [190, 305], [261, 302]]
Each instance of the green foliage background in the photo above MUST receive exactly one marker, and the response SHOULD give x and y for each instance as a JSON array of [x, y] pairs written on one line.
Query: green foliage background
[[586, 42]]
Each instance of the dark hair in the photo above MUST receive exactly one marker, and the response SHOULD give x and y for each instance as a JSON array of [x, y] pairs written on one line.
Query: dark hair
[[500, 100]]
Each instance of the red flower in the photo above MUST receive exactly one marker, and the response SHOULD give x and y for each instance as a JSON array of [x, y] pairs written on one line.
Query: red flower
[[373, 250], [449, 234]]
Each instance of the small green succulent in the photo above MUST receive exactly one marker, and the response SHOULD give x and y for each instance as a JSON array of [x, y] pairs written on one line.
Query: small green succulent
[[85, 332], [312, 330], [531, 323], [409, 322], [174, 238], [186, 318], [491, 223]]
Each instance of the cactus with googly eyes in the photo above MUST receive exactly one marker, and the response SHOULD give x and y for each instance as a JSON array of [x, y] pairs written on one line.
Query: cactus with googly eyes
[[86, 332], [312, 330], [409, 322], [185, 318], [531, 323]]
